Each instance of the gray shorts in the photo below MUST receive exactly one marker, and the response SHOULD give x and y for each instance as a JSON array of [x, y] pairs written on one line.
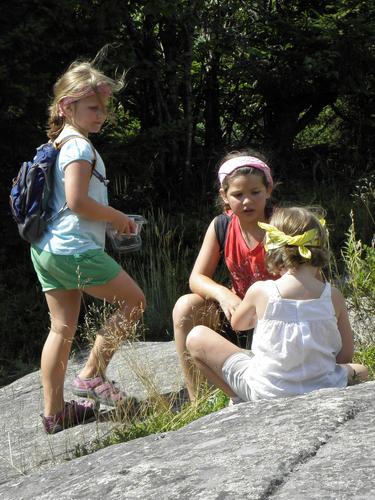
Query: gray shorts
[[237, 374]]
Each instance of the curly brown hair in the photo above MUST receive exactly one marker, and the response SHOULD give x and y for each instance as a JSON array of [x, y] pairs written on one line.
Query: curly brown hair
[[293, 221]]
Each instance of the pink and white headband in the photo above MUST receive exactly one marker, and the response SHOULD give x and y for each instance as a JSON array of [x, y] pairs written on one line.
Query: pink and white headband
[[103, 89], [233, 164]]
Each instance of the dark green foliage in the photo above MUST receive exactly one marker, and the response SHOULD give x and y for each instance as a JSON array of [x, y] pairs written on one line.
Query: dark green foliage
[[24, 322]]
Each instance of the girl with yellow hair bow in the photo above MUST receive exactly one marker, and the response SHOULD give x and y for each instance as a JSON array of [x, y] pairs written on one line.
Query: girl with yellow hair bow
[[302, 339]]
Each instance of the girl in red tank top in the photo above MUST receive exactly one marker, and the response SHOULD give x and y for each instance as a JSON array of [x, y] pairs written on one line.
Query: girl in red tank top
[[246, 265], [245, 188]]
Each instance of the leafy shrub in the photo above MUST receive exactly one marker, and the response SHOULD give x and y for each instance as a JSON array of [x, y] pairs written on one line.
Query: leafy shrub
[[359, 261], [359, 286]]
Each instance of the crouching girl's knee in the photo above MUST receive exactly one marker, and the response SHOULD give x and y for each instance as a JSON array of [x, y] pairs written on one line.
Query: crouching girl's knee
[[194, 340], [181, 310]]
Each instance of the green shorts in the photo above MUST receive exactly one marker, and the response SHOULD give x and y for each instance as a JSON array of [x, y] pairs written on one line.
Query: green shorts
[[72, 272]]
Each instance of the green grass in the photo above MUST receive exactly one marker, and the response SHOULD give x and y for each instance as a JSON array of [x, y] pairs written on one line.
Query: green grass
[[158, 415], [359, 288], [366, 357], [359, 261]]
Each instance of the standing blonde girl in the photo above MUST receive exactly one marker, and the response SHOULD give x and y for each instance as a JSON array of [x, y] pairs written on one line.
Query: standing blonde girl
[[245, 189], [70, 259], [302, 340]]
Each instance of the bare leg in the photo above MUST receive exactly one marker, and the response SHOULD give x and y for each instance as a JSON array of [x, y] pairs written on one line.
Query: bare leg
[[190, 310], [64, 306], [209, 351], [356, 372], [124, 291]]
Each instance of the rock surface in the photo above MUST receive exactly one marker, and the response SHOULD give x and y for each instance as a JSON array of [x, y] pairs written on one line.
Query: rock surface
[[320, 445], [24, 447]]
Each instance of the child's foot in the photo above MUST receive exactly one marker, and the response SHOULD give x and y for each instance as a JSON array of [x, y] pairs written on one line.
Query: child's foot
[[100, 389], [72, 414]]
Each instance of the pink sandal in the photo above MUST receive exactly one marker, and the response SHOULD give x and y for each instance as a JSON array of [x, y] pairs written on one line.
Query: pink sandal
[[73, 413], [100, 389]]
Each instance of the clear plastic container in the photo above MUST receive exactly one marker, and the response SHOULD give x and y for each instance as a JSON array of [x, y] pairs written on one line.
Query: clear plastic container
[[126, 243]]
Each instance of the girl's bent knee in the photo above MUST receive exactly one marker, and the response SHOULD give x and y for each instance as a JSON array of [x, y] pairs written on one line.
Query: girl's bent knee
[[138, 300], [181, 307], [187, 310], [134, 308], [194, 338]]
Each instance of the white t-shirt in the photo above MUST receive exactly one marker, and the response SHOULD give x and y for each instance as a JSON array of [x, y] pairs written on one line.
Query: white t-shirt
[[68, 233]]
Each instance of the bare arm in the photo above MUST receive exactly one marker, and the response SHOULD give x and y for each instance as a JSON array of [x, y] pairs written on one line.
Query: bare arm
[[341, 311], [245, 316], [201, 279], [77, 178]]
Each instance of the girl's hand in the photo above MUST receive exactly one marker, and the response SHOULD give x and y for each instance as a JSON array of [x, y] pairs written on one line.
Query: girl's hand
[[122, 223], [229, 303]]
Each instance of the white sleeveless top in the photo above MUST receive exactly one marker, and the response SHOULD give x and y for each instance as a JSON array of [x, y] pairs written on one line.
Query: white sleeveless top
[[295, 346]]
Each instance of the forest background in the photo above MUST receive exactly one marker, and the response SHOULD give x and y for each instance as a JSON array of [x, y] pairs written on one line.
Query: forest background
[[292, 79]]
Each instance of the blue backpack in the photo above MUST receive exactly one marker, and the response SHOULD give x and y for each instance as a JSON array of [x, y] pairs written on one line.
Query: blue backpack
[[32, 188]]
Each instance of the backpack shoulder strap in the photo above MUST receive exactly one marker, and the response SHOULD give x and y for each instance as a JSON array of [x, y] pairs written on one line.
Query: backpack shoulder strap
[[60, 144], [94, 172], [221, 223]]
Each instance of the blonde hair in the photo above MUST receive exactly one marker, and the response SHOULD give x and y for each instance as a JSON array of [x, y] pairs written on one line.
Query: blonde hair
[[80, 75], [293, 221]]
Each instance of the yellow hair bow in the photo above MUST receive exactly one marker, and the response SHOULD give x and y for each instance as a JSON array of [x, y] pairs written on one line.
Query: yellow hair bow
[[276, 239]]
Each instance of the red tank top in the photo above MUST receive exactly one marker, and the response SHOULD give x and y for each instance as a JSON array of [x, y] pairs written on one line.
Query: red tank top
[[245, 266]]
